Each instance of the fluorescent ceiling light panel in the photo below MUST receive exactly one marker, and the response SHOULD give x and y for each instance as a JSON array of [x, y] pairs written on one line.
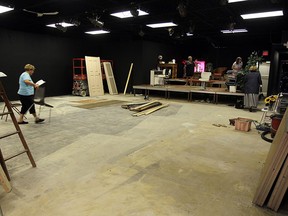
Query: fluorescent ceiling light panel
[[97, 32], [189, 34], [63, 24], [262, 15], [127, 14], [161, 25], [234, 31], [233, 1], [4, 9]]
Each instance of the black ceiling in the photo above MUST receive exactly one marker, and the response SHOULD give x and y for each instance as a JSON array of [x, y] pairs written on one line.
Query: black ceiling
[[204, 17]]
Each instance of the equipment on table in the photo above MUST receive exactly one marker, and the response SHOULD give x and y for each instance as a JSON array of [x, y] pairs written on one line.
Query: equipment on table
[[272, 117], [157, 77]]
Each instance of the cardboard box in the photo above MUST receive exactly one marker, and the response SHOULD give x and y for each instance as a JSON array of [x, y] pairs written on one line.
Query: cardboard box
[[243, 124]]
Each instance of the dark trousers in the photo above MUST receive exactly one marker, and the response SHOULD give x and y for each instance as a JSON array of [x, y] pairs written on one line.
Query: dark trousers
[[27, 104]]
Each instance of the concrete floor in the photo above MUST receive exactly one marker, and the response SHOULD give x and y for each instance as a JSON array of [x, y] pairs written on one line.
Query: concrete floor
[[103, 161]]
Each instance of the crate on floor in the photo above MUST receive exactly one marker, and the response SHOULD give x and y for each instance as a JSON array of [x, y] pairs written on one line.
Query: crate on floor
[[243, 124]]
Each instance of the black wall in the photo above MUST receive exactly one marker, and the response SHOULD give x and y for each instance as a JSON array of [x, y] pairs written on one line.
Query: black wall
[[279, 56], [52, 56]]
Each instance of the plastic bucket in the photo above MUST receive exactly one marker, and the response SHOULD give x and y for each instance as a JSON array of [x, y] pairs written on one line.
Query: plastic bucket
[[232, 88]]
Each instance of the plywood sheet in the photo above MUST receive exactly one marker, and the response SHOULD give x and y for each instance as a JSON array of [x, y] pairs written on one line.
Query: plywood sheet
[[274, 161], [279, 189], [94, 76], [110, 78]]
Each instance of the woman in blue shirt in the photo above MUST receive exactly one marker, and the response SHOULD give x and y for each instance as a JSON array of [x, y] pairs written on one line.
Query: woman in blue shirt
[[26, 94]]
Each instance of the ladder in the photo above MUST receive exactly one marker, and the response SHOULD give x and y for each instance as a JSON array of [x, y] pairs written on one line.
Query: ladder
[[18, 131]]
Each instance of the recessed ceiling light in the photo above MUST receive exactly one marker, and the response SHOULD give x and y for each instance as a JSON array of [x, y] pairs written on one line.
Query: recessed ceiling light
[[234, 31], [4, 9], [127, 14], [63, 24], [161, 25], [262, 15], [189, 34], [233, 1], [97, 32]]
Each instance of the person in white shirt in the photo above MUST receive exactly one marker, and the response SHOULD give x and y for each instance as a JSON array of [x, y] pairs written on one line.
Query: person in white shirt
[[237, 65]]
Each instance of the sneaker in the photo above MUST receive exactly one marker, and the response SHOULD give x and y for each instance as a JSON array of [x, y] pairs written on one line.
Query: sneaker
[[39, 120], [23, 122]]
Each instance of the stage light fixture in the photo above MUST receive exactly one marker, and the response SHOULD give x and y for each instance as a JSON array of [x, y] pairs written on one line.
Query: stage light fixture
[[96, 22], [134, 12], [182, 9], [231, 26], [170, 31], [61, 27]]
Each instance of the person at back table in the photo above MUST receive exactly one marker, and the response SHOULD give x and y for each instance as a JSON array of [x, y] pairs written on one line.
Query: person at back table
[[26, 94], [237, 65], [189, 69]]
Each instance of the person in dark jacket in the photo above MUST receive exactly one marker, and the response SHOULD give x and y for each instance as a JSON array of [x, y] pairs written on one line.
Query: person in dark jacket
[[189, 69], [252, 83]]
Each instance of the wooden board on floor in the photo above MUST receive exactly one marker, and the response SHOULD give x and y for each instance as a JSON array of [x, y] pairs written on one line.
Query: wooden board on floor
[[94, 76], [110, 78]]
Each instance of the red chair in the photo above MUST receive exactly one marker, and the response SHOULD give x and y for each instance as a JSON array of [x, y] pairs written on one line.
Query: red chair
[[218, 73]]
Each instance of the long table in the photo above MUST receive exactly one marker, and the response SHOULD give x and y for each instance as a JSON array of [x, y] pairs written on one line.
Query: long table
[[194, 81], [190, 90]]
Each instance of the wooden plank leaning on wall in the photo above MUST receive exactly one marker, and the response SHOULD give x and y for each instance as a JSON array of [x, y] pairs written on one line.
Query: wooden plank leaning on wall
[[275, 160]]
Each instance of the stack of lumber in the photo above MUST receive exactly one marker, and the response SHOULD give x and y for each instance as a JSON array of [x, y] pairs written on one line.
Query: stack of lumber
[[273, 181], [144, 108]]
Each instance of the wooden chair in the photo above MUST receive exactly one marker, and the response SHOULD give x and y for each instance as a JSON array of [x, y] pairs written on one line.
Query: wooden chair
[[218, 73]]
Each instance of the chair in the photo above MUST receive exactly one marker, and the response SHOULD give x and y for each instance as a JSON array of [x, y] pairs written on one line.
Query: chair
[[39, 99], [218, 73], [205, 77], [14, 106]]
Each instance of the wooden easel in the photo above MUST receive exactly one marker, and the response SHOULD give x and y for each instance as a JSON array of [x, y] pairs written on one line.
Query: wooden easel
[[18, 131]]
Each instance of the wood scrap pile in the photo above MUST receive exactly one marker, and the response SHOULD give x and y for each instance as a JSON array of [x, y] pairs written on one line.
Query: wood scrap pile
[[144, 108], [273, 182]]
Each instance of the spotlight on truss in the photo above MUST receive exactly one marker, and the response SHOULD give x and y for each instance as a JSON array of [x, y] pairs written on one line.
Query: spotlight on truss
[[96, 22], [231, 26], [182, 9], [170, 31], [60, 27], [134, 9], [134, 12]]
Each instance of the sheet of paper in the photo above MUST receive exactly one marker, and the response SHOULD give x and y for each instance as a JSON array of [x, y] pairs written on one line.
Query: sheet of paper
[[40, 82]]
